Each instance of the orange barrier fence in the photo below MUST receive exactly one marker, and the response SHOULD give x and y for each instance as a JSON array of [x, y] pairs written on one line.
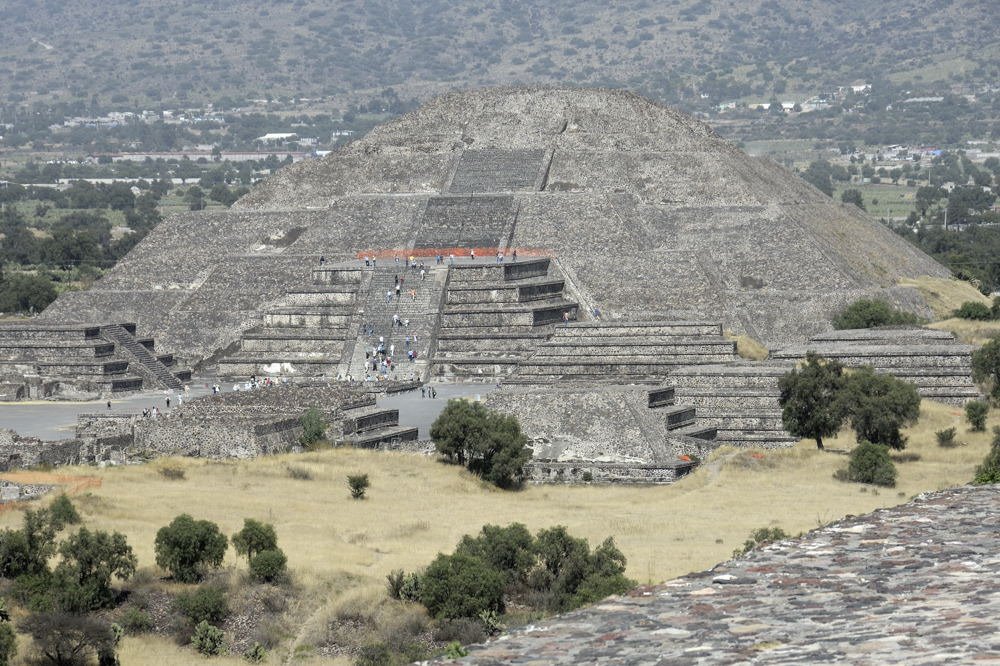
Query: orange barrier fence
[[71, 485]]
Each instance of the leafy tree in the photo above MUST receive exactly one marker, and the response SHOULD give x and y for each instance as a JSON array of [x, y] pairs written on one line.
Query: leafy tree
[[879, 405], [975, 413], [313, 428], [989, 470], [853, 196], [986, 366], [927, 196], [870, 463], [818, 174], [206, 604], [254, 538], [461, 586], [974, 310], [186, 547], [89, 561], [490, 444], [22, 292], [808, 398], [571, 575], [268, 566], [872, 313], [65, 639], [27, 551]]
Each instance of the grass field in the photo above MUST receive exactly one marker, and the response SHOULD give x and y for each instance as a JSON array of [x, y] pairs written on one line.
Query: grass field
[[418, 507], [882, 200], [944, 295]]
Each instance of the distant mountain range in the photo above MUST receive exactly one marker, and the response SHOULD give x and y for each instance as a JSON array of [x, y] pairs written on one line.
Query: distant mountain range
[[693, 52]]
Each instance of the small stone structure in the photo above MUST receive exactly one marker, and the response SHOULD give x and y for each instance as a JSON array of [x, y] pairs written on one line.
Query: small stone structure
[[245, 424], [912, 584], [40, 360], [931, 360]]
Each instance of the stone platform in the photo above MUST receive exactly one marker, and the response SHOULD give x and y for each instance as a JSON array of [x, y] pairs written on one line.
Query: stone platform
[[915, 584]]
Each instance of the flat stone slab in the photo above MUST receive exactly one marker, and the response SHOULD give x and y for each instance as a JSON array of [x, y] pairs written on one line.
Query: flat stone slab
[[914, 584]]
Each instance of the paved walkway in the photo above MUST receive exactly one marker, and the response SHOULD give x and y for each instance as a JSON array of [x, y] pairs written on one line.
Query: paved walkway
[[915, 584]]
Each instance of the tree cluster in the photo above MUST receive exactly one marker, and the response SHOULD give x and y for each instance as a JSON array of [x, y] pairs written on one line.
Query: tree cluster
[[551, 571], [489, 444], [872, 313], [819, 397]]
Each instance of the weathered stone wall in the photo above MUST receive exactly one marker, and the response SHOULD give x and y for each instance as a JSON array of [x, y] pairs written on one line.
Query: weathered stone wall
[[584, 471]]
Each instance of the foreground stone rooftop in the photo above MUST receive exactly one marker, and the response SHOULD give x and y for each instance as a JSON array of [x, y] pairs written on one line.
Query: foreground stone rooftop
[[915, 584]]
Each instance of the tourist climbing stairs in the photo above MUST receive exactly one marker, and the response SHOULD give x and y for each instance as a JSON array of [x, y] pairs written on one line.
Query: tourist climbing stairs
[[142, 359], [402, 323]]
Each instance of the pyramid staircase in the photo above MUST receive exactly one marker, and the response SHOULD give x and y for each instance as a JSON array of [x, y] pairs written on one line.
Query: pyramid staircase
[[372, 427], [155, 370]]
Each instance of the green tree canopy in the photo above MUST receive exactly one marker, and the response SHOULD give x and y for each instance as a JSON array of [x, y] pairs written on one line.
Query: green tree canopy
[[879, 405], [187, 547], [809, 399], [254, 538]]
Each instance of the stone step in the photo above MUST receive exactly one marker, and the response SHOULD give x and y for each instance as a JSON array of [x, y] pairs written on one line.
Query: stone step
[[504, 292], [386, 435], [661, 397], [73, 368], [246, 364], [635, 328], [370, 420], [696, 430], [717, 352], [312, 317], [612, 365], [54, 349], [678, 416], [758, 440], [523, 269]]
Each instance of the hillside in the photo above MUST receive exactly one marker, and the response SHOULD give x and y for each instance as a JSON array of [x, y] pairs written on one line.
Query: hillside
[[144, 52]]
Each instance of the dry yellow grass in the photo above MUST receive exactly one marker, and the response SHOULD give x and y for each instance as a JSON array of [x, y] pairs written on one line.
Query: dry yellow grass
[[969, 331], [747, 347], [418, 507], [944, 295]]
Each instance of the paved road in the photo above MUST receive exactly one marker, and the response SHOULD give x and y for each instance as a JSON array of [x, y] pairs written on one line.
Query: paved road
[[56, 420]]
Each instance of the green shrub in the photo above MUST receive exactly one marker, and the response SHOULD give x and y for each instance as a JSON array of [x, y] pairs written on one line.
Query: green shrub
[[27, 551], [187, 547], [206, 604], [974, 310], [268, 566], [454, 650], [986, 366], [760, 537], [946, 437], [313, 428], [90, 559], [358, 483], [62, 512], [373, 654], [135, 621], [208, 640], [461, 630], [975, 413], [989, 470], [394, 583], [461, 586], [8, 644], [509, 550], [872, 313], [870, 463], [255, 654], [254, 538]]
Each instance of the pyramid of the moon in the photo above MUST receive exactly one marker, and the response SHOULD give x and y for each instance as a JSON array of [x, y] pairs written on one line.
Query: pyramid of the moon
[[648, 213]]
